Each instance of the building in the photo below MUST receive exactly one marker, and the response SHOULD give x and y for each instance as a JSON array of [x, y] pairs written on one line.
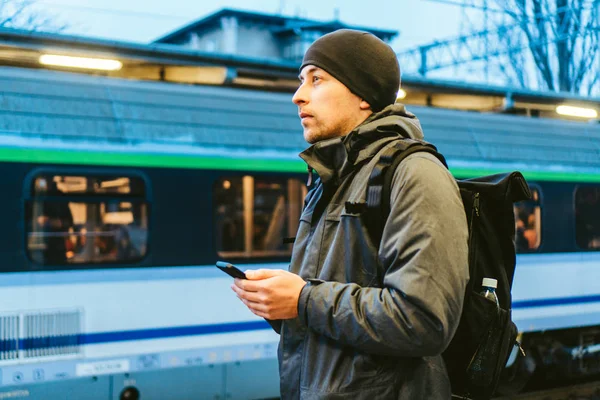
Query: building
[[253, 34]]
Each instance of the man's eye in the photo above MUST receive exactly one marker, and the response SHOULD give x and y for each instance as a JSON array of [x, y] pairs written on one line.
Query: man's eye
[[316, 78]]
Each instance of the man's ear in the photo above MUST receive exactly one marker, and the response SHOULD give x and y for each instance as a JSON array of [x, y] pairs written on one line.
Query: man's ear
[[364, 105]]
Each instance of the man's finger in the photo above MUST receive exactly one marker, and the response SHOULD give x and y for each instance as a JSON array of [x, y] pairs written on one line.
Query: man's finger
[[260, 314], [247, 285], [256, 274], [244, 294], [263, 315], [254, 306]]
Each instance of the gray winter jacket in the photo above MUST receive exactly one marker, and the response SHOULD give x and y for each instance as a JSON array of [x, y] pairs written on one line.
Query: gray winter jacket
[[375, 317]]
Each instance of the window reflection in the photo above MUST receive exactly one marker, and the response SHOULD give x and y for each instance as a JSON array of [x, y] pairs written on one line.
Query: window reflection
[[587, 217], [87, 185], [528, 224], [64, 228], [254, 214]]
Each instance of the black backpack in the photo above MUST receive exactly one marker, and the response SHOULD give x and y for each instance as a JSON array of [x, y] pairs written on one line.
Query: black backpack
[[484, 338]]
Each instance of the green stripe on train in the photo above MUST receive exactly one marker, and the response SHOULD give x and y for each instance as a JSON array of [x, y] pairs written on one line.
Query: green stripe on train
[[462, 173], [45, 156]]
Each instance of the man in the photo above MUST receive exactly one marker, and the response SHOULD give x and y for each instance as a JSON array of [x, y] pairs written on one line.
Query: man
[[363, 320]]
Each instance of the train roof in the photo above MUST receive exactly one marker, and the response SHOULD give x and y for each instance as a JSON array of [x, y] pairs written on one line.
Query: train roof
[[181, 64], [61, 117]]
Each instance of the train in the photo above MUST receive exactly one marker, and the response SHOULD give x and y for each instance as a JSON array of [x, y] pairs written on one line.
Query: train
[[119, 196]]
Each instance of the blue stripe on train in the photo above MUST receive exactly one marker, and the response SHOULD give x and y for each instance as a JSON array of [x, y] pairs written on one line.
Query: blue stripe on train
[[44, 342], [161, 333], [140, 334], [561, 301], [8, 345]]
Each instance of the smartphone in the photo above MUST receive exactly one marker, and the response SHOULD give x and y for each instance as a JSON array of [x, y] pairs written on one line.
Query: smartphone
[[231, 270]]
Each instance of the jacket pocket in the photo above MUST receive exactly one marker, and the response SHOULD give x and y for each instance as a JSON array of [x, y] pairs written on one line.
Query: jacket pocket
[[330, 368], [386, 391], [346, 254]]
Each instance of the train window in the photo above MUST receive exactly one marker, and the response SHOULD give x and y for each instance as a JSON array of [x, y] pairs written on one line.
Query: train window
[[86, 220], [254, 214], [528, 225], [82, 185], [587, 217]]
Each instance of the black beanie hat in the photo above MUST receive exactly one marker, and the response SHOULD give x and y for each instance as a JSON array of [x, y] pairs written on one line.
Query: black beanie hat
[[361, 61]]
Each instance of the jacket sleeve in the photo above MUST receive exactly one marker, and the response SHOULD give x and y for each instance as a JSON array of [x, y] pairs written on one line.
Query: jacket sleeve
[[275, 324], [425, 256]]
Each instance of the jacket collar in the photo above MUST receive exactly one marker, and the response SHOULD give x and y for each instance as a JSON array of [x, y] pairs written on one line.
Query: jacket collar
[[333, 158]]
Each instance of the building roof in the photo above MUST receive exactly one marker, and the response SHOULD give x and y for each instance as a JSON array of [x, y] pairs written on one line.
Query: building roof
[[280, 24], [16, 43]]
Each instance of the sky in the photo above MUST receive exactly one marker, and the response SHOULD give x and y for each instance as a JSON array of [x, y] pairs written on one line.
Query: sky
[[418, 21]]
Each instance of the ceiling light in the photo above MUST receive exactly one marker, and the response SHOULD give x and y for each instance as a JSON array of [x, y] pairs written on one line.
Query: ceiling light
[[81, 62], [580, 112]]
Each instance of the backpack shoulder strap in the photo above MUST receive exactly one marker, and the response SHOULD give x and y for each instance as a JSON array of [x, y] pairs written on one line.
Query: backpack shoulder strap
[[380, 182]]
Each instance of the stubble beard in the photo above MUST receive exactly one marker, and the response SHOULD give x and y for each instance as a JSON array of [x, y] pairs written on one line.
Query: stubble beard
[[319, 133]]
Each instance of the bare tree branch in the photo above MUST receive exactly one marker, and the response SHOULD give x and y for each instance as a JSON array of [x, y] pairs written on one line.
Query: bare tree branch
[[562, 40], [588, 50], [538, 42], [563, 19], [24, 14], [592, 83]]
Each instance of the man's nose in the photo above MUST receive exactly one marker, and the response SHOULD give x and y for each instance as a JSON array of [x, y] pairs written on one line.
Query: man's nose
[[299, 96]]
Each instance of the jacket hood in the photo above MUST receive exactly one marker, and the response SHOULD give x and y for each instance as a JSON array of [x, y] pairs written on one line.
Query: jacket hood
[[334, 158]]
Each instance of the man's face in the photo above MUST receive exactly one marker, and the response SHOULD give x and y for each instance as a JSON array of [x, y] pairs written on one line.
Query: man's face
[[326, 107]]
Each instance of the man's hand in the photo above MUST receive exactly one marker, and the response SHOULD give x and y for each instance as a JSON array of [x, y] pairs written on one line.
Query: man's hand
[[271, 294]]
